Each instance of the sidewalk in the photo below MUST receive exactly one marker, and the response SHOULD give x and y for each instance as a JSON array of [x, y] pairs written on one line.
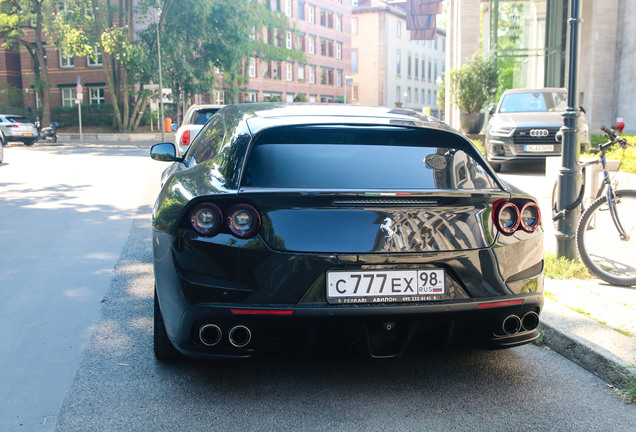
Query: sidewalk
[[593, 324]]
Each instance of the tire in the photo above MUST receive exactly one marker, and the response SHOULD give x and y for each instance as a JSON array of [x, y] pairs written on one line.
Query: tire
[[598, 243], [28, 143], [164, 350], [54, 139]]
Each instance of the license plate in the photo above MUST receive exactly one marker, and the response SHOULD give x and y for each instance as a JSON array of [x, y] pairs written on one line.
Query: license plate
[[371, 286], [539, 148], [27, 134]]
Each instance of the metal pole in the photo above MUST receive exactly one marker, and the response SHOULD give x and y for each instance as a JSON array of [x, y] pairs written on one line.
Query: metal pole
[[569, 178], [163, 128]]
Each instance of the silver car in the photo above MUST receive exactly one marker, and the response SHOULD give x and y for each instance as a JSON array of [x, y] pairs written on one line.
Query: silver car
[[18, 128], [524, 126]]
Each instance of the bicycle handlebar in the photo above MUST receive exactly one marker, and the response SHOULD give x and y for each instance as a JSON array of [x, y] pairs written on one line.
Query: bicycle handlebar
[[615, 139]]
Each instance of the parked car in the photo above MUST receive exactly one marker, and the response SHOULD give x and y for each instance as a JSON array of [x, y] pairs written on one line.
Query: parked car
[[317, 226], [524, 125], [18, 128], [193, 120], [1, 146]]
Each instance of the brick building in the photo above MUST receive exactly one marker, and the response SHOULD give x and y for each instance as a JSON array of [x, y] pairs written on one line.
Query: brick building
[[322, 32]]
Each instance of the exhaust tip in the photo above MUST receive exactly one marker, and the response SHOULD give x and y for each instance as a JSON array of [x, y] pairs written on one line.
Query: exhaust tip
[[530, 321], [511, 325], [240, 336], [210, 334]]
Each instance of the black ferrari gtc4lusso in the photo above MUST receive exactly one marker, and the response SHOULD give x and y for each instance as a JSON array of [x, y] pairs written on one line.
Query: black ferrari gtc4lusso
[[318, 226]]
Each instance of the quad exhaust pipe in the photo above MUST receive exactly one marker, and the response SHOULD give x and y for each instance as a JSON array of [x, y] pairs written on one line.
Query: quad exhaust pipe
[[512, 324], [211, 334], [240, 336]]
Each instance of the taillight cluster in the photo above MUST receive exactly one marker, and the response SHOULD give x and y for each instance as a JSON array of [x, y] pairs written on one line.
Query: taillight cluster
[[185, 138], [242, 220], [510, 216]]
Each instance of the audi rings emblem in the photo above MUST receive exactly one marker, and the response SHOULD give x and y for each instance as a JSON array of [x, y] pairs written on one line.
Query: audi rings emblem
[[539, 133]]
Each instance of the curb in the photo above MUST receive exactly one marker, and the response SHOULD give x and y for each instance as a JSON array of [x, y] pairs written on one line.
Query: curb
[[555, 324], [112, 137]]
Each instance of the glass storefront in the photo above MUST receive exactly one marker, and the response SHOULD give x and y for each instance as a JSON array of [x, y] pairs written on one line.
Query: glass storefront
[[528, 39]]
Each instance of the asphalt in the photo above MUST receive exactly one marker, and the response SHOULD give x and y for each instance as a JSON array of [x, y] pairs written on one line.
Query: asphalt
[[589, 322]]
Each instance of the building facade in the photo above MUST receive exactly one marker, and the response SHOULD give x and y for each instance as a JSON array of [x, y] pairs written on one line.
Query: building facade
[[390, 68], [321, 29], [530, 39]]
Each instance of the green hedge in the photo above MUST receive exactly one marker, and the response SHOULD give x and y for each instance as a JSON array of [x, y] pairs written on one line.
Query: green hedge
[[92, 115]]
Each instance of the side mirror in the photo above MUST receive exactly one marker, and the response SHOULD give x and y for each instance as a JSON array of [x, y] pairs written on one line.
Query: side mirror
[[174, 127], [491, 110], [164, 152], [582, 109]]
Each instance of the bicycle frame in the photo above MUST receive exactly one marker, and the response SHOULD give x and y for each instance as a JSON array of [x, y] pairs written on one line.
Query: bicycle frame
[[609, 194]]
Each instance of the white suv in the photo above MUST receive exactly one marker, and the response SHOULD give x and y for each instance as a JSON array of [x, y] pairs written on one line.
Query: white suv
[[193, 120]]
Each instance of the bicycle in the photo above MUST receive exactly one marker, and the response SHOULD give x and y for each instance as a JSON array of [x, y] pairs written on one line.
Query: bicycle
[[606, 252]]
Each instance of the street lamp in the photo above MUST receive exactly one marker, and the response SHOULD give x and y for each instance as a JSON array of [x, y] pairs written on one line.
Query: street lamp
[[569, 178], [163, 128]]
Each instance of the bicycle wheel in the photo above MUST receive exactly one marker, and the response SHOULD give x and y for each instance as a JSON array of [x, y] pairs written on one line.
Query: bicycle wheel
[[598, 242]]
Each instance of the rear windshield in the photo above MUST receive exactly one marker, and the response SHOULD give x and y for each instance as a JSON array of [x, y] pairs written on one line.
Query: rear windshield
[[363, 158], [18, 119], [201, 117]]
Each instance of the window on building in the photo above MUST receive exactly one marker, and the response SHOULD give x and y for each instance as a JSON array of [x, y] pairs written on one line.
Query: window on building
[[288, 8], [220, 97], [312, 74], [289, 40], [96, 95], [252, 69], [430, 75], [311, 12], [408, 95], [398, 63], [301, 10], [354, 61], [339, 78], [95, 59], [339, 23], [289, 71], [408, 66], [354, 26], [68, 96], [399, 29], [417, 63], [338, 50], [415, 96], [301, 72], [252, 97], [66, 60], [312, 44], [398, 94], [300, 42]]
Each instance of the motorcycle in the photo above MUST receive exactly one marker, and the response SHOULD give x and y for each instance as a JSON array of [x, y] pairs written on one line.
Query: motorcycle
[[47, 133]]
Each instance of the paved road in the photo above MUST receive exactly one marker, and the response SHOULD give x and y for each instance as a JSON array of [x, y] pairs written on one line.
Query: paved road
[[65, 214], [76, 334]]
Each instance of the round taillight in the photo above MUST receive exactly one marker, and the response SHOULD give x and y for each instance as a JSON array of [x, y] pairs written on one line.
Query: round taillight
[[507, 218], [243, 220], [206, 219], [530, 216]]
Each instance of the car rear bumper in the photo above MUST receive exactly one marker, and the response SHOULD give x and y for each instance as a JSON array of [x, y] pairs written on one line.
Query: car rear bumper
[[379, 332]]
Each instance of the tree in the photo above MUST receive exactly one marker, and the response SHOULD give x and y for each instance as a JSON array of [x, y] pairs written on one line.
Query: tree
[[17, 17], [202, 36], [105, 28]]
